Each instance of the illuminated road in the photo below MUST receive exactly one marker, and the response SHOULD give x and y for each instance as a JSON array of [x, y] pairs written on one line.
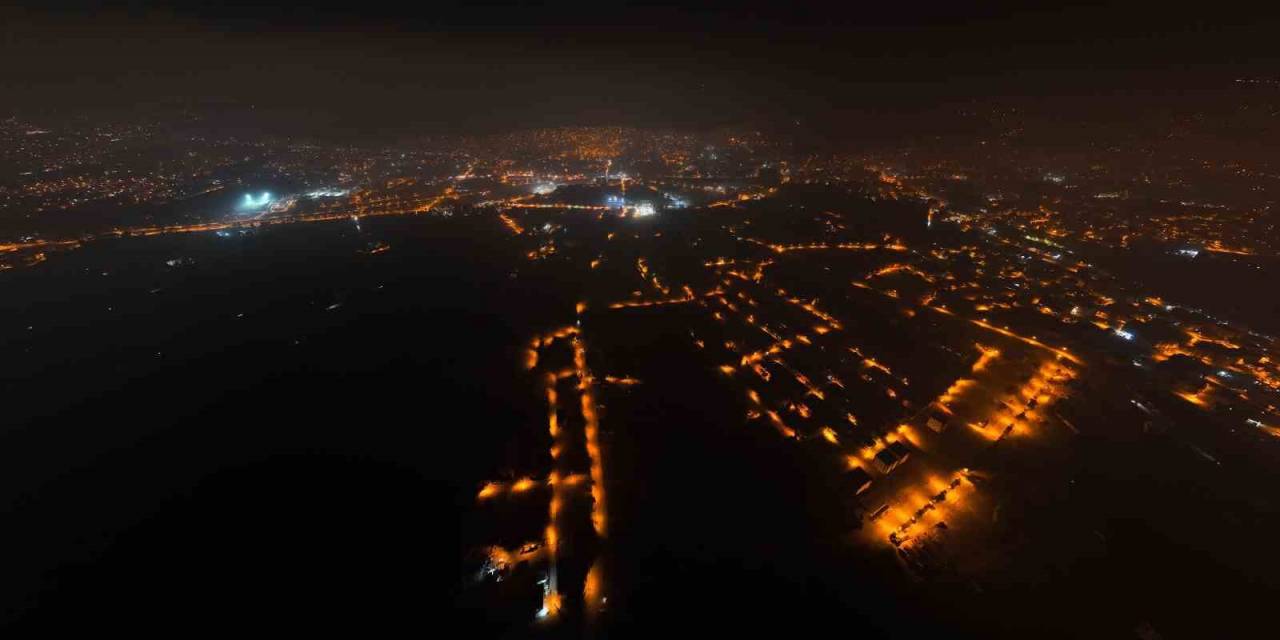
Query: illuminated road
[[35, 247], [568, 482]]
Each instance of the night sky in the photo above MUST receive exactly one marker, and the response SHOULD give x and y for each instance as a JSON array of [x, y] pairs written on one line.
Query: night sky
[[374, 68]]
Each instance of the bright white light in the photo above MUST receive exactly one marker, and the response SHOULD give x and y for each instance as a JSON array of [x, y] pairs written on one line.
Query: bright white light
[[251, 202], [644, 209], [544, 188], [1124, 334], [327, 193]]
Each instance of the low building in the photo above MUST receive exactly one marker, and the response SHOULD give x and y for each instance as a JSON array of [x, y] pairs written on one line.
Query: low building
[[885, 461], [860, 479], [900, 451], [938, 421]]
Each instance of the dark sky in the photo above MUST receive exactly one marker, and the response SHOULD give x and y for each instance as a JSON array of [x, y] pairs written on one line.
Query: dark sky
[[449, 66]]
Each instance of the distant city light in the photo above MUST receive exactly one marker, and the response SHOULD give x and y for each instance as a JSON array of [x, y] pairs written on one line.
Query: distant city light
[[251, 202], [643, 209], [327, 193], [1124, 334], [544, 188]]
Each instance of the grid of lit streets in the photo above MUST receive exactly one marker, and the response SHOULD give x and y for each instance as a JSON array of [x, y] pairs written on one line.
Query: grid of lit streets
[[912, 358], [832, 368], [576, 522]]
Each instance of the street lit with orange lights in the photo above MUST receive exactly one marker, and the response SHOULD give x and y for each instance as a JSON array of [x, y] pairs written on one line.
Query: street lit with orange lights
[[652, 348]]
